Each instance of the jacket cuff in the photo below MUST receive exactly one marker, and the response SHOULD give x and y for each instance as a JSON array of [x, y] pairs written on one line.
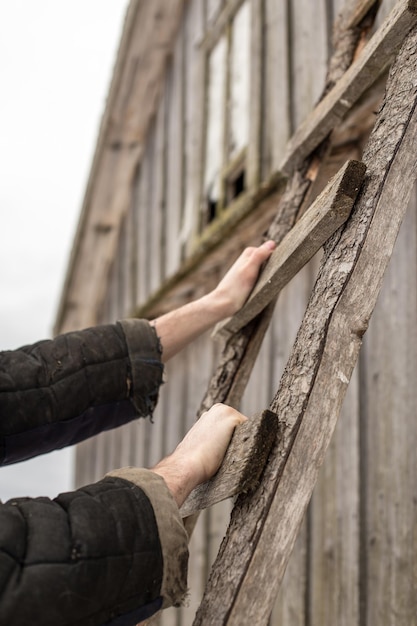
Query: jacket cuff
[[144, 349], [172, 534]]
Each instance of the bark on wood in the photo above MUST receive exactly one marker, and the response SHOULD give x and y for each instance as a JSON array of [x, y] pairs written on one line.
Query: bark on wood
[[375, 57], [242, 465], [237, 358], [329, 211], [347, 31], [264, 525], [239, 354]]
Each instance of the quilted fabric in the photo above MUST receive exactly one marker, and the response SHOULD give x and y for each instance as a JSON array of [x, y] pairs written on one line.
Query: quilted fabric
[[86, 558], [92, 556], [58, 392]]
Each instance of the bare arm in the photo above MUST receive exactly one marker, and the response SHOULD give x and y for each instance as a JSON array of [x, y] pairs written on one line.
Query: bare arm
[[199, 455], [177, 328]]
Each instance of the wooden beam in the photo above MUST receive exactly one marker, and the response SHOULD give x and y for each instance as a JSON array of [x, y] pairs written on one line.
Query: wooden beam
[[375, 57], [263, 528], [242, 465], [362, 8], [148, 37], [238, 355], [329, 211]]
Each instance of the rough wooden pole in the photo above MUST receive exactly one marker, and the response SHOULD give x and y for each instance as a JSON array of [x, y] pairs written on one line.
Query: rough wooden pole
[[242, 465], [327, 213], [239, 353], [263, 528]]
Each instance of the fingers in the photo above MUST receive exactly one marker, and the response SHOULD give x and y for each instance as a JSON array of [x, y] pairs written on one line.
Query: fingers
[[255, 256], [206, 443], [222, 413], [264, 250], [237, 284]]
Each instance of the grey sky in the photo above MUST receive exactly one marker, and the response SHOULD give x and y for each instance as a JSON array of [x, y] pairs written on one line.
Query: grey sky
[[56, 59]]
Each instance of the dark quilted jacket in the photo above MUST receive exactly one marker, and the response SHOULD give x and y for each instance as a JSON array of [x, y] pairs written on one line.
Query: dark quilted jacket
[[109, 553]]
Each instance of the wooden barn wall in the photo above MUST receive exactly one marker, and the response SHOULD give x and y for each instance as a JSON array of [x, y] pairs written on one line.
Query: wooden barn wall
[[354, 560]]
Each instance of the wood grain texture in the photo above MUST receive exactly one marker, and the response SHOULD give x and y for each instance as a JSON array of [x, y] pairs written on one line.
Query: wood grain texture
[[319, 369], [253, 165], [147, 41], [329, 211], [308, 50], [277, 98], [334, 523], [242, 465], [375, 57], [290, 607], [389, 442], [174, 155], [361, 9], [236, 361]]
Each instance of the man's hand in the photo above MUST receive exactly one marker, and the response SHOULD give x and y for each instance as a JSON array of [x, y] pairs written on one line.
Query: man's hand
[[177, 328], [235, 287], [199, 455]]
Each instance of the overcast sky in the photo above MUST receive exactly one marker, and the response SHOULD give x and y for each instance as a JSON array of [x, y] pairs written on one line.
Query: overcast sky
[[56, 59]]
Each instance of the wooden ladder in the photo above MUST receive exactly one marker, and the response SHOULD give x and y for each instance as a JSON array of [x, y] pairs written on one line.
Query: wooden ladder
[[357, 218]]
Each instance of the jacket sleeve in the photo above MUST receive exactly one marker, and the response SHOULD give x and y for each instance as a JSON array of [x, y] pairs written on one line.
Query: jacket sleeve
[[110, 553], [58, 392]]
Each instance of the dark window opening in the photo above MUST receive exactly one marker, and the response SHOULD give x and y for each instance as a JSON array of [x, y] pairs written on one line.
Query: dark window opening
[[211, 210], [235, 186]]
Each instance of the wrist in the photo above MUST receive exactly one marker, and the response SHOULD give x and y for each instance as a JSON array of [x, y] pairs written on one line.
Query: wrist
[[218, 304], [177, 477]]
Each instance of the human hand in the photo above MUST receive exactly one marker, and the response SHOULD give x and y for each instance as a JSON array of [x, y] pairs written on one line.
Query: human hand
[[235, 287], [199, 455]]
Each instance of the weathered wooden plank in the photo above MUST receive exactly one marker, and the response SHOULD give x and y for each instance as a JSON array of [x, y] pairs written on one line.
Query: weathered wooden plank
[[242, 465], [174, 153], [329, 211], [254, 110], [174, 392], [215, 128], [308, 56], [194, 111], [213, 8], [218, 16], [229, 380], [375, 57], [158, 207], [141, 200], [383, 11], [157, 428], [389, 442], [147, 40], [290, 607], [241, 81], [318, 372], [277, 100], [334, 564], [200, 360], [361, 9], [259, 391]]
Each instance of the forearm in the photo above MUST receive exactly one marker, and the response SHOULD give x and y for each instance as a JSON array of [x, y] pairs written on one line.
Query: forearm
[[199, 455], [178, 328]]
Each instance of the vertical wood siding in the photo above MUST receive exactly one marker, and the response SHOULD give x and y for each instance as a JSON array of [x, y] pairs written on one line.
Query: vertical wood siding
[[354, 560]]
